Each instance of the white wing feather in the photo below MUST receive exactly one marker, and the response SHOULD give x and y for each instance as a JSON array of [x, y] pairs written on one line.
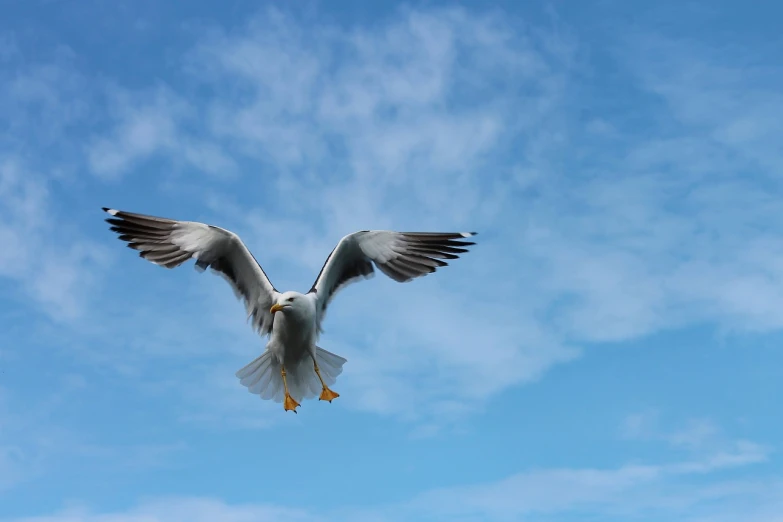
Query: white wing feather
[[402, 256], [169, 243]]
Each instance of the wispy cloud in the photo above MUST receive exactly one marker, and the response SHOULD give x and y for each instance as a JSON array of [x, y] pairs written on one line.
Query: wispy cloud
[[631, 490], [36, 437], [146, 125], [606, 213], [54, 269], [391, 133], [698, 436], [634, 489], [641, 491], [184, 509], [394, 131], [695, 434]]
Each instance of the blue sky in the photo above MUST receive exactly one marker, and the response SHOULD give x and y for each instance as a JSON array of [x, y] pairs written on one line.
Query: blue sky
[[609, 350]]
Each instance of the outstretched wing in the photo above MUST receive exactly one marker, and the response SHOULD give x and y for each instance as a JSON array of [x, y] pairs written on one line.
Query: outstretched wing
[[169, 243], [402, 256]]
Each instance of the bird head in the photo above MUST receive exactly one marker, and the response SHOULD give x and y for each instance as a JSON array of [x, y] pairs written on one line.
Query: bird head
[[287, 302]]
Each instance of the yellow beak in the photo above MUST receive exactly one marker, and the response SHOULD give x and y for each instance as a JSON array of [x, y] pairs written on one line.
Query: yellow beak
[[276, 308]]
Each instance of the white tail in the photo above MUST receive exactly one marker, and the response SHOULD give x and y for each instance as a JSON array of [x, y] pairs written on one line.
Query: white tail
[[262, 375]]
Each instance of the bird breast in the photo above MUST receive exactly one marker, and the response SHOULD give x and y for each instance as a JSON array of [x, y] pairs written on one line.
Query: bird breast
[[289, 328]]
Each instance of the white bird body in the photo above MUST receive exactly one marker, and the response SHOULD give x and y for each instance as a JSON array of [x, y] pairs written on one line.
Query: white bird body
[[294, 333], [292, 367], [292, 345]]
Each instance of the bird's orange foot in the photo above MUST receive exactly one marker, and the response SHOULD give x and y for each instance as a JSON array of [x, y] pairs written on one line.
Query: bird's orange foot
[[328, 395], [289, 403]]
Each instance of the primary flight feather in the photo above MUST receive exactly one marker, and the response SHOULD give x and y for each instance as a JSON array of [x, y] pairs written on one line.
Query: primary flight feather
[[292, 367]]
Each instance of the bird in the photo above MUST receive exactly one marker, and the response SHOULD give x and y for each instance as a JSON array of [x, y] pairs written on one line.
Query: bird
[[292, 367]]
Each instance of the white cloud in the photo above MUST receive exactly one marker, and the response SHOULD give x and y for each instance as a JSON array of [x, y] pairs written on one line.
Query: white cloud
[[394, 128], [663, 490], [725, 93], [184, 510], [398, 119], [675, 227], [678, 227], [641, 425], [401, 134], [412, 125], [45, 257], [55, 268], [40, 103], [394, 132], [17, 464], [698, 436], [695, 434], [148, 125], [143, 131], [34, 439]]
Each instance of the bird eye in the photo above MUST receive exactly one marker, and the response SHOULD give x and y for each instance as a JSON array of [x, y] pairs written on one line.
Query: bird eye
[[290, 299]]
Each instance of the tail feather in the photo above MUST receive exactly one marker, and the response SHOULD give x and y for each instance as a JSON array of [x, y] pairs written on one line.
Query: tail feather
[[253, 371], [330, 364], [262, 375]]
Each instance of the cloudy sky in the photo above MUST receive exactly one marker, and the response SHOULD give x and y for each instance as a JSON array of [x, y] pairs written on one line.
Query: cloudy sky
[[609, 350]]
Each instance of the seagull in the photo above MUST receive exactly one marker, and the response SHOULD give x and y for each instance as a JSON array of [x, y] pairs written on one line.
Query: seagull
[[292, 367]]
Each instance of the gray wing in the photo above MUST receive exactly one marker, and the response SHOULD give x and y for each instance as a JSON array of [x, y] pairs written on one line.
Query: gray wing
[[402, 256], [169, 243]]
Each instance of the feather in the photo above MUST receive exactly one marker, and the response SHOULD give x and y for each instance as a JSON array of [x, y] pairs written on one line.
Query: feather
[[402, 256], [169, 243]]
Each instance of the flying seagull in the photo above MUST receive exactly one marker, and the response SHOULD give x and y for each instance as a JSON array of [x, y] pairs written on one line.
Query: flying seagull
[[292, 367]]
